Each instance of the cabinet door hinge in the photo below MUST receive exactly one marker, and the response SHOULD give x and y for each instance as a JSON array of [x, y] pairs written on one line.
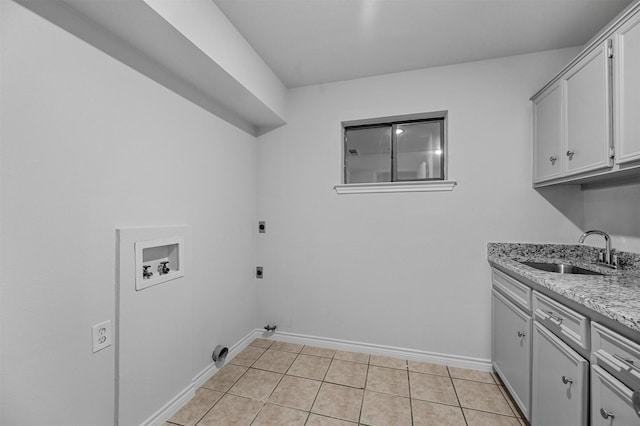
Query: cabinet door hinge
[[612, 153], [610, 49]]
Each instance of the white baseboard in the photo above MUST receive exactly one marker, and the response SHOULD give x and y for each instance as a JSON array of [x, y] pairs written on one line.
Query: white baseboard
[[344, 345], [171, 407], [374, 349]]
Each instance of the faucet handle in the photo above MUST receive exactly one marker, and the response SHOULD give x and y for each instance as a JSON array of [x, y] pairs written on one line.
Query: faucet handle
[[163, 268], [146, 274], [614, 260]]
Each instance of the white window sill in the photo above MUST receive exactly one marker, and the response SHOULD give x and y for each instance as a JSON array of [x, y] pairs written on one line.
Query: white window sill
[[367, 188]]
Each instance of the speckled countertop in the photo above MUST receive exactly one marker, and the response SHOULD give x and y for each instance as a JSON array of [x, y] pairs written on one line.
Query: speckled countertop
[[615, 295]]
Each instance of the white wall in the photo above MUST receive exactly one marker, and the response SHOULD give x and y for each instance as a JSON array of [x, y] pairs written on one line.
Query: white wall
[[615, 211], [88, 145], [409, 269]]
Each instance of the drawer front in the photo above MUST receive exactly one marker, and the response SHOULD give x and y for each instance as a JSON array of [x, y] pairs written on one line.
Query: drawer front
[[564, 322], [511, 349], [513, 289], [610, 342], [611, 401], [560, 382], [616, 354]]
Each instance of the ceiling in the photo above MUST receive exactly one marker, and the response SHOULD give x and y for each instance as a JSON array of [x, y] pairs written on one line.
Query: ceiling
[[319, 41]]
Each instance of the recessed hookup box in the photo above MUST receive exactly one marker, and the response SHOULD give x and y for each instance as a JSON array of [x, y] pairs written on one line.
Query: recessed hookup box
[[158, 261]]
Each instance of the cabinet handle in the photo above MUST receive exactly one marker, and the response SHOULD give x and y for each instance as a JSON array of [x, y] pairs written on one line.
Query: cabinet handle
[[566, 380], [570, 154], [555, 318], [625, 360], [606, 414], [553, 160], [521, 334]]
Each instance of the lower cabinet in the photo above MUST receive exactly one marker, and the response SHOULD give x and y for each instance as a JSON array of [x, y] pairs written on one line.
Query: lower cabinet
[[560, 382], [533, 349], [511, 349], [611, 401]]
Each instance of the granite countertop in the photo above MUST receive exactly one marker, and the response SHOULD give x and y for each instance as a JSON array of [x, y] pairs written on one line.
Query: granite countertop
[[615, 295]]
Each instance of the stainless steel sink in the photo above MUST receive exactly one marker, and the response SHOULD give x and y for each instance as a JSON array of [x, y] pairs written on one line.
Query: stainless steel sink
[[560, 268]]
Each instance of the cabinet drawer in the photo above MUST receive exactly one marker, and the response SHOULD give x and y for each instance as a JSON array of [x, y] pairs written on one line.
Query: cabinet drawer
[[560, 382], [564, 322], [605, 340], [616, 354], [513, 289], [611, 401]]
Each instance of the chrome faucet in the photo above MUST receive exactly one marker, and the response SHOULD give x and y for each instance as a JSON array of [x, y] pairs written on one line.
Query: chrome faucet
[[609, 259]]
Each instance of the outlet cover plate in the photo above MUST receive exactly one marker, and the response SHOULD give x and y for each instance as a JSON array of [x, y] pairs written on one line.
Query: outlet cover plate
[[101, 335]]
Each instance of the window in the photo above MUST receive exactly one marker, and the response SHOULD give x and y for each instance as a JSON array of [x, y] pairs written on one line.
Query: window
[[401, 150]]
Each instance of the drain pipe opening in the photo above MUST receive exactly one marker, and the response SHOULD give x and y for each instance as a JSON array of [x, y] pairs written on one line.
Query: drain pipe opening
[[219, 354]]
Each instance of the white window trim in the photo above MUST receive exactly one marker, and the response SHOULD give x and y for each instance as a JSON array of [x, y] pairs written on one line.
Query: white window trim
[[413, 186]]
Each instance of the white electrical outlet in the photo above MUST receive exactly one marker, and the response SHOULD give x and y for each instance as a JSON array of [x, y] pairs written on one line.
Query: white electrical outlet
[[101, 335]]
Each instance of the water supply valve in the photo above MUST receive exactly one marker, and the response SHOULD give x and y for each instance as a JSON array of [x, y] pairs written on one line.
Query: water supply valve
[[146, 274], [163, 268]]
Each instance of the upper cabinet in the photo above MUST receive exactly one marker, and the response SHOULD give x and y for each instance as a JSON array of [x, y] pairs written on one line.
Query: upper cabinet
[[586, 114], [627, 87], [585, 126], [547, 134]]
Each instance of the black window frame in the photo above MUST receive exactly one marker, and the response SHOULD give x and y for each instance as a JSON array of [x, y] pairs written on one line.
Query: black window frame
[[392, 122]]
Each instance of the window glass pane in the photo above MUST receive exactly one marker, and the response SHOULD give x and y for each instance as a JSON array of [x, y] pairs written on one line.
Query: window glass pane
[[420, 150], [368, 154]]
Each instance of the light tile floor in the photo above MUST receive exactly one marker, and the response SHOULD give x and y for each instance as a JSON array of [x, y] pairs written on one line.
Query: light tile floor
[[278, 383]]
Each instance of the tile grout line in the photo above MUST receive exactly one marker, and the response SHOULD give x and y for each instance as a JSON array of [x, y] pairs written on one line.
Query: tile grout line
[[321, 383], [457, 397], [480, 410], [366, 378], [279, 381], [210, 408], [236, 381], [223, 393], [249, 368], [510, 402], [492, 412], [336, 384], [410, 399], [306, 378]]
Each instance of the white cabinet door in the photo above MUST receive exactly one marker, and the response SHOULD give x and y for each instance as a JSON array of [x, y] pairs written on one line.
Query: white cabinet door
[[511, 349], [560, 384], [546, 135], [586, 114], [627, 84], [611, 403]]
